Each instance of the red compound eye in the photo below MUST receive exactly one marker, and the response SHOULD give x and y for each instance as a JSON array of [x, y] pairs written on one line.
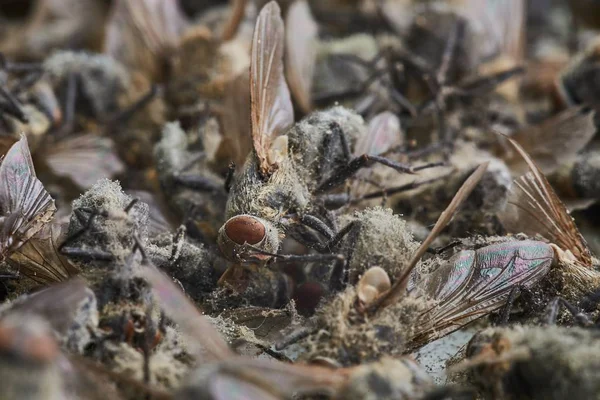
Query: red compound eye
[[245, 229]]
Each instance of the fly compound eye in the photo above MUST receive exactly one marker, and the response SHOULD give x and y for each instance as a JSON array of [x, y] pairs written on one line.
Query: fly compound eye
[[245, 229]]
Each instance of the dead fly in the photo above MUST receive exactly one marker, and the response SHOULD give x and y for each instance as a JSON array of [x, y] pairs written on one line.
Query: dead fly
[[196, 194], [225, 374], [283, 180], [546, 362], [372, 317], [103, 225]]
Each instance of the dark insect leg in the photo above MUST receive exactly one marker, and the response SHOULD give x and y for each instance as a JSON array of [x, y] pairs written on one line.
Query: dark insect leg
[[86, 226], [508, 306], [318, 225], [394, 190], [27, 81], [130, 111], [339, 276], [332, 242], [13, 106], [70, 102], [554, 306], [443, 249], [198, 182], [229, 176], [178, 241], [88, 254], [345, 172], [294, 337]]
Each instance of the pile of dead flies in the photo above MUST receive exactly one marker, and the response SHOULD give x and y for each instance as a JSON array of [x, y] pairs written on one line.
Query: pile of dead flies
[[328, 199]]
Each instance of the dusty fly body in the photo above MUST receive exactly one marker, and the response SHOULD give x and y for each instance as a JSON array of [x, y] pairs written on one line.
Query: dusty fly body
[[282, 180], [547, 362]]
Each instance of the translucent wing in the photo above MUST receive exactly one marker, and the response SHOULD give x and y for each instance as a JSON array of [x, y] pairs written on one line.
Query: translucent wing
[[237, 136], [56, 304], [181, 310], [557, 140], [272, 110], [85, 159], [503, 22], [474, 283], [39, 258], [159, 221], [301, 53], [534, 209], [287, 379], [398, 289], [227, 387], [142, 33], [383, 134], [26, 206]]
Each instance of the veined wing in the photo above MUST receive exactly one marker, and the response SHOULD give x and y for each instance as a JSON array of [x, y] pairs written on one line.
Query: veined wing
[[474, 283], [39, 258], [271, 107], [25, 204], [535, 209]]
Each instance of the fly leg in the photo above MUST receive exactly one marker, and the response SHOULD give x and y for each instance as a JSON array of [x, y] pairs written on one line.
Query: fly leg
[[89, 254], [554, 306], [202, 183], [86, 226], [342, 173]]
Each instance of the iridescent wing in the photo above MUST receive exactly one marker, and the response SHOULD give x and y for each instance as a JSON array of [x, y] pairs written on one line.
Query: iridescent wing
[[474, 283], [555, 141], [39, 258], [141, 34], [25, 205], [398, 289], [301, 53], [534, 209], [272, 112], [85, 159]]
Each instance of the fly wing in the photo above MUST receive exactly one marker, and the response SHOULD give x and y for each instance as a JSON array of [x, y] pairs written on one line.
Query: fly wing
[[183, 312], [383, 134], [236, 120], [474, 283], [57, 304], [301, 53], [272, 111], [26, 206], [534, 209], [39, 258], [85, 159], [557, 140], [141, 33], [286, 379]]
